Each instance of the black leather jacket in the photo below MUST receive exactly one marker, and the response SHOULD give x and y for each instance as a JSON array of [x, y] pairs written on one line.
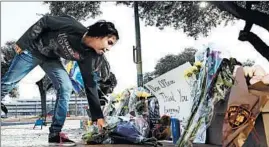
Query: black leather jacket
[[52, 37]]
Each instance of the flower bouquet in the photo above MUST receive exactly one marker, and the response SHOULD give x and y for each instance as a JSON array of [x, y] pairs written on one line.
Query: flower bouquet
[[210, 80]]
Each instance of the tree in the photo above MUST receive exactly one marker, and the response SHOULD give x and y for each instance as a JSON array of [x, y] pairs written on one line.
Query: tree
[[81, 10], [7, 54], [196, 20], [248, 63], [188, 16], [148, 76], [170, 62], [251, 12], [259, 15]]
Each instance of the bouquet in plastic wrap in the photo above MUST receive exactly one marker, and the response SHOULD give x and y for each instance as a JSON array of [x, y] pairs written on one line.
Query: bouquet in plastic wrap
[[120, 130], [117, 104], [246, 100], [123, 101], [130, 102], [128, 109], [211, 79]]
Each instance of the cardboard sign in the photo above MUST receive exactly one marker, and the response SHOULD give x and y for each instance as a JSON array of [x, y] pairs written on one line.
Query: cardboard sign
[[173, 92]]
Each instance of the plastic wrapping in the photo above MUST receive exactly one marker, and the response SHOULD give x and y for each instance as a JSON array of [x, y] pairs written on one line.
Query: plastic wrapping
[[141, 125], [131, 130]]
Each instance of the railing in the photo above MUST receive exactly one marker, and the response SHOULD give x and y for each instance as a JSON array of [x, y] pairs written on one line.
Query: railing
[[33, 107]]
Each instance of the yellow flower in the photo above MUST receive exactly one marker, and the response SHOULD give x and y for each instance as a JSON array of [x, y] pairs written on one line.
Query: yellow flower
[[145, 94], [139, 94], [113, 95], [118, 96], [188, 73], [118, 99], [198, 64], [194, 69]]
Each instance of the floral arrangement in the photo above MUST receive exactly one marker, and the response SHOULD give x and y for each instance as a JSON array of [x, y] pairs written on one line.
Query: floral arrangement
[[210, 79], [193, 70]]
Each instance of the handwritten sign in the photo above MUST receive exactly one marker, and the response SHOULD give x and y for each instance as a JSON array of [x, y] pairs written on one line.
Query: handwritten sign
[[173, 92]]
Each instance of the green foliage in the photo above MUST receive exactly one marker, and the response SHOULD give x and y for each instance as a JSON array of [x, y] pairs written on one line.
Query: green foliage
[[7, 54], [170, 62], [14, 93], [81, 10], [189, 16], [148, 76], [248, 63]]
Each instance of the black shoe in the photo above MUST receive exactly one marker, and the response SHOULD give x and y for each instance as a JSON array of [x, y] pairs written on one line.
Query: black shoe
[[60, 139]]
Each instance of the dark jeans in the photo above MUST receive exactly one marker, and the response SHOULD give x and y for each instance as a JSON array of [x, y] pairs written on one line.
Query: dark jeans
[[22, 64]]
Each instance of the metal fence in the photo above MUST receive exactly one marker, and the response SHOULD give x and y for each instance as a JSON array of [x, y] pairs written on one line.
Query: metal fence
[[33, 107]]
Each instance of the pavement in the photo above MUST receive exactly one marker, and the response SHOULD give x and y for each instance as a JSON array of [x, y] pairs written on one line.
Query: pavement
[[26, 136], [23, 135]]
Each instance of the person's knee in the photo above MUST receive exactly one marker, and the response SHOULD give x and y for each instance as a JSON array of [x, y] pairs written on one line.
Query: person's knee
[[8, 84], [9, 81], [66, 87]]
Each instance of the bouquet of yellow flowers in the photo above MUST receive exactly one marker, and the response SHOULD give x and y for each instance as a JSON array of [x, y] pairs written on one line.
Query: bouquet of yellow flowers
[[194, 70], [210, 80]]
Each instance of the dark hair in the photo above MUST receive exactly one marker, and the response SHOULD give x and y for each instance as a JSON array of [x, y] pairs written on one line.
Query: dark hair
[[102, 28]]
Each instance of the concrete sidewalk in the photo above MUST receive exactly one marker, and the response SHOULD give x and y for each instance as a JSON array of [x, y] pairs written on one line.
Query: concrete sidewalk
[[26, 136]]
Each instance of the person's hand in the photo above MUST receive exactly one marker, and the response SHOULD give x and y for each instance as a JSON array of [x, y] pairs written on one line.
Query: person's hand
[[17, 49], [101, 123]]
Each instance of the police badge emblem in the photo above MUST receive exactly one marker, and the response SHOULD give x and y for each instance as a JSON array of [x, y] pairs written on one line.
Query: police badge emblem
[[237, 116]]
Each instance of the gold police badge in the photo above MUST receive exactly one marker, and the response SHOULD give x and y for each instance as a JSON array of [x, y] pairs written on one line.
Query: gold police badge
[[237, 116]]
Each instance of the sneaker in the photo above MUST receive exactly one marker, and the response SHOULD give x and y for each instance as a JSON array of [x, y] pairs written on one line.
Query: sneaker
[[61, 139]]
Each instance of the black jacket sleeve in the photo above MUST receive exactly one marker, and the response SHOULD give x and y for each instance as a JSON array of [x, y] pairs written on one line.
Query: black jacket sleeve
[[90, 83], [47, 22]]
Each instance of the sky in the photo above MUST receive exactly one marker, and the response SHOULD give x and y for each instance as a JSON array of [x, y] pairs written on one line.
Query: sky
[[155, 43]]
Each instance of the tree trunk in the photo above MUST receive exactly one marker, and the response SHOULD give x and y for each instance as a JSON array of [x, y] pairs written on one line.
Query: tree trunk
[[43, 98], [253, 16], [257, 43], [250, 16]]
